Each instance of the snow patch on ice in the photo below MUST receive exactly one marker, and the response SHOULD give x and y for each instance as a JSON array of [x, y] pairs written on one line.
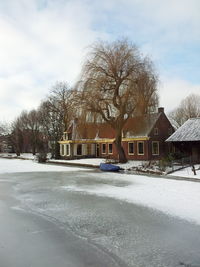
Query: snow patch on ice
[[176, 198]]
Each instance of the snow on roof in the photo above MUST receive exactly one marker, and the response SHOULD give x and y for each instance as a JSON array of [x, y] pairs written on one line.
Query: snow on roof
[[189, 131], [140, 126]]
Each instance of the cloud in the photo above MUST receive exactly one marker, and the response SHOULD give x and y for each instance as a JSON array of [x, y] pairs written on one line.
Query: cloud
[[43, 41], [39, 47], [172, 91]]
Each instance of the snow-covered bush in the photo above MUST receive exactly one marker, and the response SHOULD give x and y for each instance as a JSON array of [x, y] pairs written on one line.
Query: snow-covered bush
[[41, 157]]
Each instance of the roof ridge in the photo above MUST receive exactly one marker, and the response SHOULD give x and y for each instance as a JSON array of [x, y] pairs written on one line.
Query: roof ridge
[[197, 118]]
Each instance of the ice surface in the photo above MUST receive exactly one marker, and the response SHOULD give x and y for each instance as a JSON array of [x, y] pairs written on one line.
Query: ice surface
[[178, 198]]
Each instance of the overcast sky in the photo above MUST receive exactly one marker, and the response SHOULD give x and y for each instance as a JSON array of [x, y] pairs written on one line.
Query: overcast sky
[[44, 41]]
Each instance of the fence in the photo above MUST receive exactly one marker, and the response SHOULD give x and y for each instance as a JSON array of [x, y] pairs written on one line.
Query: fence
[[178, 164]]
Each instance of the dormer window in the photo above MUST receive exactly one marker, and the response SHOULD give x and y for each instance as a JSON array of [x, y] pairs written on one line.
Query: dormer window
[[156, 131], [65, 136]]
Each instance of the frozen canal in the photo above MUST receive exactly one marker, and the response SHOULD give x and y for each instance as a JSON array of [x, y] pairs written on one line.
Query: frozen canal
[[67, 223]]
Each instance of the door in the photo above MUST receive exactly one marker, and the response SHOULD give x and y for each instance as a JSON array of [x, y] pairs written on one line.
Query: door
[[97, 150]]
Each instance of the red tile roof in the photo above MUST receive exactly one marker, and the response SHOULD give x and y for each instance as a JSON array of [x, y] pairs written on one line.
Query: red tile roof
[[134, 127]]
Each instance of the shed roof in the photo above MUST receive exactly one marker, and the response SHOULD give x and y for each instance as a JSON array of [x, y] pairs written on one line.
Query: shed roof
[[189, 131]]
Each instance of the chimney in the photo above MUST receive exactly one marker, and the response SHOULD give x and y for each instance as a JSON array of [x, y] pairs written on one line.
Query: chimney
[[161, 110]]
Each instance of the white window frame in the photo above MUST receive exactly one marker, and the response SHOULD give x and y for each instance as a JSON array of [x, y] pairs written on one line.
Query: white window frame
[[62, 150], [109, 149], [133, 148], [65, 136], [142, 142], [155, 142], [102, 148], [67, 145], [84, 149]]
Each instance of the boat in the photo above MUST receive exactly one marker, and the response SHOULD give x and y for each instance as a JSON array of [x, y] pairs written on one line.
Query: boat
[[109, 167]]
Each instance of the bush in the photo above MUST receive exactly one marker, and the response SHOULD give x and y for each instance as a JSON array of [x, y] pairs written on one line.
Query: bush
[[41, 157], [166, 161]]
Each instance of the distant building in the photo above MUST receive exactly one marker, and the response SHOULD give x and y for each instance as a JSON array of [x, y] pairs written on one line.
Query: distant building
[[186, 139], [143, 138]]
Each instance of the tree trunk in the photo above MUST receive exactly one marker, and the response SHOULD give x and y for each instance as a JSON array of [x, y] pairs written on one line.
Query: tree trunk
[[33, 149], [57, 150], [17, 151], [120, 149]]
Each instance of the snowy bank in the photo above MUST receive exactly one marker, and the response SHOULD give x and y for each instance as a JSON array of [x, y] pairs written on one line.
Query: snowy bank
[[188, 173], [18, 165]]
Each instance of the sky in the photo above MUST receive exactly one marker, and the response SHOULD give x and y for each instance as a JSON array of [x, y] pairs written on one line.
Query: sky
[[45, 41]]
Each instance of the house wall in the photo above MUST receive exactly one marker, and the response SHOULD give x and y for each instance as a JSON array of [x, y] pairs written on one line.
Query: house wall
[[88, 150], [134, 156], [189, 149], [165, 129]]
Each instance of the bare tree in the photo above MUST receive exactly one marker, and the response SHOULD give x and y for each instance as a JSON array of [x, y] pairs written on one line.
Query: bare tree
[[56, 112], [188, 108], [5, 128], [31, 126], [16, 136], [26, 132], [116, 83], [147, 89]]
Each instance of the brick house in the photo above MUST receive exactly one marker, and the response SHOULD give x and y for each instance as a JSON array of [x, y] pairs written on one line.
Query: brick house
[[143, 138]]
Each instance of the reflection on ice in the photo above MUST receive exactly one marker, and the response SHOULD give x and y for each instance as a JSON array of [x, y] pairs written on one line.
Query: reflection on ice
[[92, 206]]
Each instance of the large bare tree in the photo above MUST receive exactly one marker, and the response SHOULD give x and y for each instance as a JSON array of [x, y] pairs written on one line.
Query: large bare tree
[[188, 108], [116, 83]]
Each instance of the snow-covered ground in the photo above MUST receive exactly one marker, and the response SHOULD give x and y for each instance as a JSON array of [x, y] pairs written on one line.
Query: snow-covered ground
[[131, 164], [188, 173], [97, 161], [87, 161], [93, 161], [22, 155], [177, 198], [18, 165]]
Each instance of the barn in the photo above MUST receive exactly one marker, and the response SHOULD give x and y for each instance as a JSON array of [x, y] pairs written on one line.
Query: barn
[[186, 139]]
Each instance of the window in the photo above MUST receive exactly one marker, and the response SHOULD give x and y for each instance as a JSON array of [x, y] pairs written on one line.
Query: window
[[103, 148], [67, 150], [79, 150], [155, 148], [110, 148], [140, 148], [155, 131], [62, 150], [84, 149], [97, 150], [65, 137], [130, 148]]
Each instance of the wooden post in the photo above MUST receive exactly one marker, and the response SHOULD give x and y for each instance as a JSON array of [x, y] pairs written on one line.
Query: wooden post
[[193, 169]]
